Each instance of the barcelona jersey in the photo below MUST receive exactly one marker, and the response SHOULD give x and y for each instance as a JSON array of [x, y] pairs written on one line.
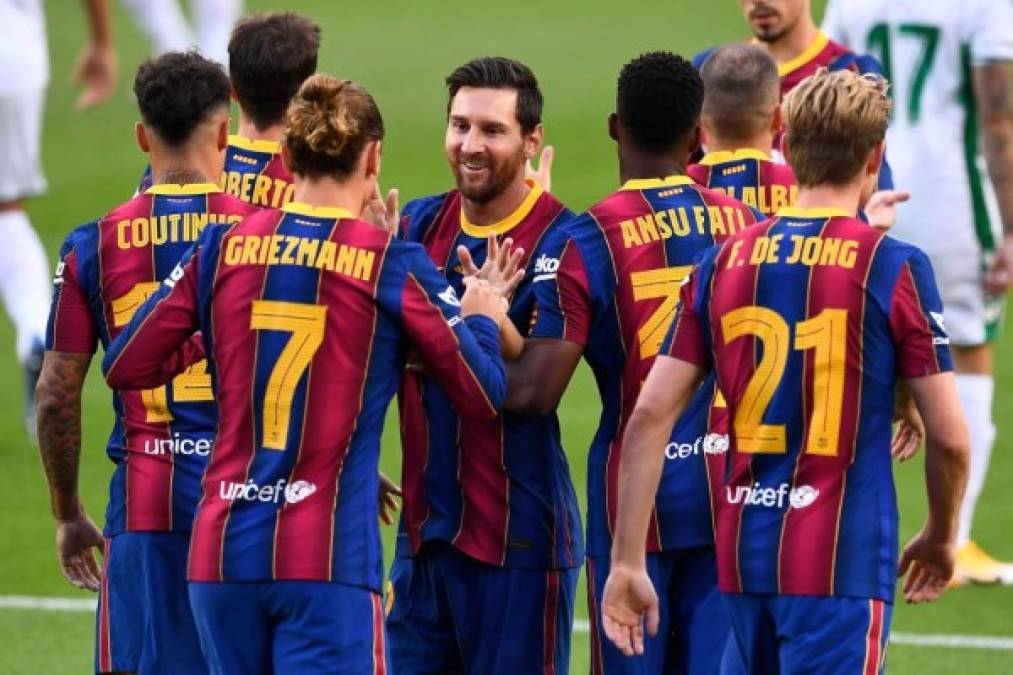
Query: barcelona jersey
[[254, 172], [611, 285], [162, 436], [306, 315], [749, 176], [498, 490], [809, 319]]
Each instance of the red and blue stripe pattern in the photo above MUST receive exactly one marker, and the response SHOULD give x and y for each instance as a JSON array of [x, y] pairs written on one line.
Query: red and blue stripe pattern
[[749, 176]]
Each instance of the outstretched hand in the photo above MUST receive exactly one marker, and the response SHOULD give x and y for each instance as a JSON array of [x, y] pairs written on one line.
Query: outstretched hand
[[502, 266], [76, 540], [881, 209], [628, 600]]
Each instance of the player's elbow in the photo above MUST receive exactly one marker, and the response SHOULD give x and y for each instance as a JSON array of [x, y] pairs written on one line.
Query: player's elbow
[[951, 445]]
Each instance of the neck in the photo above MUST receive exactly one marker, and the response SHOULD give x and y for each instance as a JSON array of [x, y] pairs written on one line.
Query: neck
[[795, 41], [328, 192], [247, 129], [499, 207], [763, 142], [639, 166], [844, 197], [181, 169]]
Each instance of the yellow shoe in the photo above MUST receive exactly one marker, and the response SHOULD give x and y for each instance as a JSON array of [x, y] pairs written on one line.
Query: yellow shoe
[[976, 566]]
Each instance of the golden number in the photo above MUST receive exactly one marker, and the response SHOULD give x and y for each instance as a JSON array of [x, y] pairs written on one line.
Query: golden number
[[827, 333], [306, 324], [664, 283], [191, 386]]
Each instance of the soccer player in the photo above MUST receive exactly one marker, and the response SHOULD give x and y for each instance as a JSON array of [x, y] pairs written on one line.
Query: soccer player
[[950, 65], [162, 436], [168, 30], [809, 320], [741, 114], [24, 74], [607, 290], [270, 56], [490, 525], [306, 314]]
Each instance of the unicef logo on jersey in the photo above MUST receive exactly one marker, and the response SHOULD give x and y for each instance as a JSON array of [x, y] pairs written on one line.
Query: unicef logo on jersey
[[799, 497], [250, 491], [298, 491], [715, 444], [711, 444]]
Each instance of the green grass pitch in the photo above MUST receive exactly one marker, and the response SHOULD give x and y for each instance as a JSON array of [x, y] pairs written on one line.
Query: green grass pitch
[[401, 51]]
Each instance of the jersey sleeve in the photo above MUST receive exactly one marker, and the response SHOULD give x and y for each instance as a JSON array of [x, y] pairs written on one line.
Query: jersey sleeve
[[72, 325], [159, 341], [562, 293], [688, 338], [991, 36], [463, 354], [916, 321]]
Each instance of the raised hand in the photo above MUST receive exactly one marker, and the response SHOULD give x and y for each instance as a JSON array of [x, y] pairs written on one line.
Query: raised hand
[[76, 540], [881, 209], [502, 266], [628, 600], [381, 212], [481, 298], [543, 174]]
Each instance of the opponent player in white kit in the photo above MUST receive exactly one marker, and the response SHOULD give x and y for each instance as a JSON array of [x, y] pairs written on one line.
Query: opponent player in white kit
[[25, 283], [950, 65], [168, 30]]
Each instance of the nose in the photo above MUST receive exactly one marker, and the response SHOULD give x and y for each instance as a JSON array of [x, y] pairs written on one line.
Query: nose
[[471, 142]]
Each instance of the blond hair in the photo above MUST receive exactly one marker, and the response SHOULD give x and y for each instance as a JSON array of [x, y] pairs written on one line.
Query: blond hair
[[328, 123], [834, 120]]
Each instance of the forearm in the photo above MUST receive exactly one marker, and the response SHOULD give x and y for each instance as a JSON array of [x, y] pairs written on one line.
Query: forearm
[[992, 89], [58, 407], [945, 480], [511, 341], [99, 25]]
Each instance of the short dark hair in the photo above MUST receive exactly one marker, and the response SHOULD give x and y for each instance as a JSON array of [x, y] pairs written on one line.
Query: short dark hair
[[177, 91], [498, 72], [659, 99], [270, 55], [742, 89]]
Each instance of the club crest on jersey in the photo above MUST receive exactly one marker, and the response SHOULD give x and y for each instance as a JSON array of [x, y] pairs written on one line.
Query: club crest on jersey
[[449, 296]]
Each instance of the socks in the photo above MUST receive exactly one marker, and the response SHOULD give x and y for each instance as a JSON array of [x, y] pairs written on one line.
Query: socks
[[976, 400], [25, 282]]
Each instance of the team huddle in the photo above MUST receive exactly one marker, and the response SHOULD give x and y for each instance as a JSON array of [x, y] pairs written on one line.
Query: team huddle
[[763, 350]]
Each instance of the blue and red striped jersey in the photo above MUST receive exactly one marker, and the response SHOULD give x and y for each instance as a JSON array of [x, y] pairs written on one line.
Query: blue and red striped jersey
[[306, 315], [162, 436], [498, 490], [612, 286], [254, 172], [809, 319], [749, 176]]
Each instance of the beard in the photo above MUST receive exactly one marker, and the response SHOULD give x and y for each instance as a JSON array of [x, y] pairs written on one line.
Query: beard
[[499, 177]]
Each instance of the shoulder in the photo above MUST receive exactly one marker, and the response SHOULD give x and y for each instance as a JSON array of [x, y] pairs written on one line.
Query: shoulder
[[418, 214], [81, 239], [717, 198], [698, 172], [227, 203]]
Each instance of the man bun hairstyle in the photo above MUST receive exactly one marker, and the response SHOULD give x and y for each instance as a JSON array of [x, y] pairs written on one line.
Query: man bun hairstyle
[[741, 91], [658, 100], [498, 72], [270, 55], [834, 120], [177, 91], [329, 122]]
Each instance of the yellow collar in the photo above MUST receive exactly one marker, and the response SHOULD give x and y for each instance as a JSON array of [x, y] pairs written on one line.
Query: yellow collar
[[244, 143], [185, 189], [648, 183], [722, 156], [508, 223], [798, 212], [304, 209], [807, 55]]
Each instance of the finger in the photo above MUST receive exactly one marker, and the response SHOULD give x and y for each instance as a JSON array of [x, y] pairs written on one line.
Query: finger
[[92, 575], [491, 248], [468, 266], [653, 618], [515, 261], [393, 195], [915, 592], [506, 254], [545, 160], [891, 197], [637, 637], [913, 578], [514, 281], [904, 564], [393, 488]]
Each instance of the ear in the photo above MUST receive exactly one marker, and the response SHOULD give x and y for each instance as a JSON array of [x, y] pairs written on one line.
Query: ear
[[533, 141], [613, 125], [777, 119], [142, 137], [223, 133], [875, 161], [286, 158], [694, 140], [372, 159]]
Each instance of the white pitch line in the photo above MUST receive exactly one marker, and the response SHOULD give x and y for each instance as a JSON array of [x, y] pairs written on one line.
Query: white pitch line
[[916, 639], [579, 625]]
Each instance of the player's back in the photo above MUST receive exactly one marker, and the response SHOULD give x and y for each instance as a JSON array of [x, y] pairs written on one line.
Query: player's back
[[163, 436], [749, 176], [812, 317], [928, 50], [254, 172], [628, 255]]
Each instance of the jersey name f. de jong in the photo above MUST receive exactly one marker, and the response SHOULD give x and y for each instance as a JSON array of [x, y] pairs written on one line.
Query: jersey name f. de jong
[[809, 319], [254, 172], [749, 176], [163, 436], [498, 490], [306, 315], [613, 290], [929, 50]]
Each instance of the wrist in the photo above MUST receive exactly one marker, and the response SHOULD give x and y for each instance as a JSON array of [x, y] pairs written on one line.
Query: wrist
[[67, 511]]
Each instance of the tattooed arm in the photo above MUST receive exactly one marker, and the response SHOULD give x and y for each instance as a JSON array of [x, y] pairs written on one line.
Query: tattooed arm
[[58, 408], [995, 105]]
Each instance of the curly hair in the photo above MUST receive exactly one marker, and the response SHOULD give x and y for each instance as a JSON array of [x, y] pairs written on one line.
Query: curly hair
[[177, 91], [270, 55], [498, 72], [329, 123], [659, 99]]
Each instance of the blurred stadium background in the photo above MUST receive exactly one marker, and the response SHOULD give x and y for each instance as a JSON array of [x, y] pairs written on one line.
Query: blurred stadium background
[[401, 50]]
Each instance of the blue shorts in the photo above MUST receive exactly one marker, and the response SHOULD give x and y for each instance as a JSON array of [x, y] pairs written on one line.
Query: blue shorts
[[297, 627], [144, 623], [693, 629], [449, 613], [809, 634]]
